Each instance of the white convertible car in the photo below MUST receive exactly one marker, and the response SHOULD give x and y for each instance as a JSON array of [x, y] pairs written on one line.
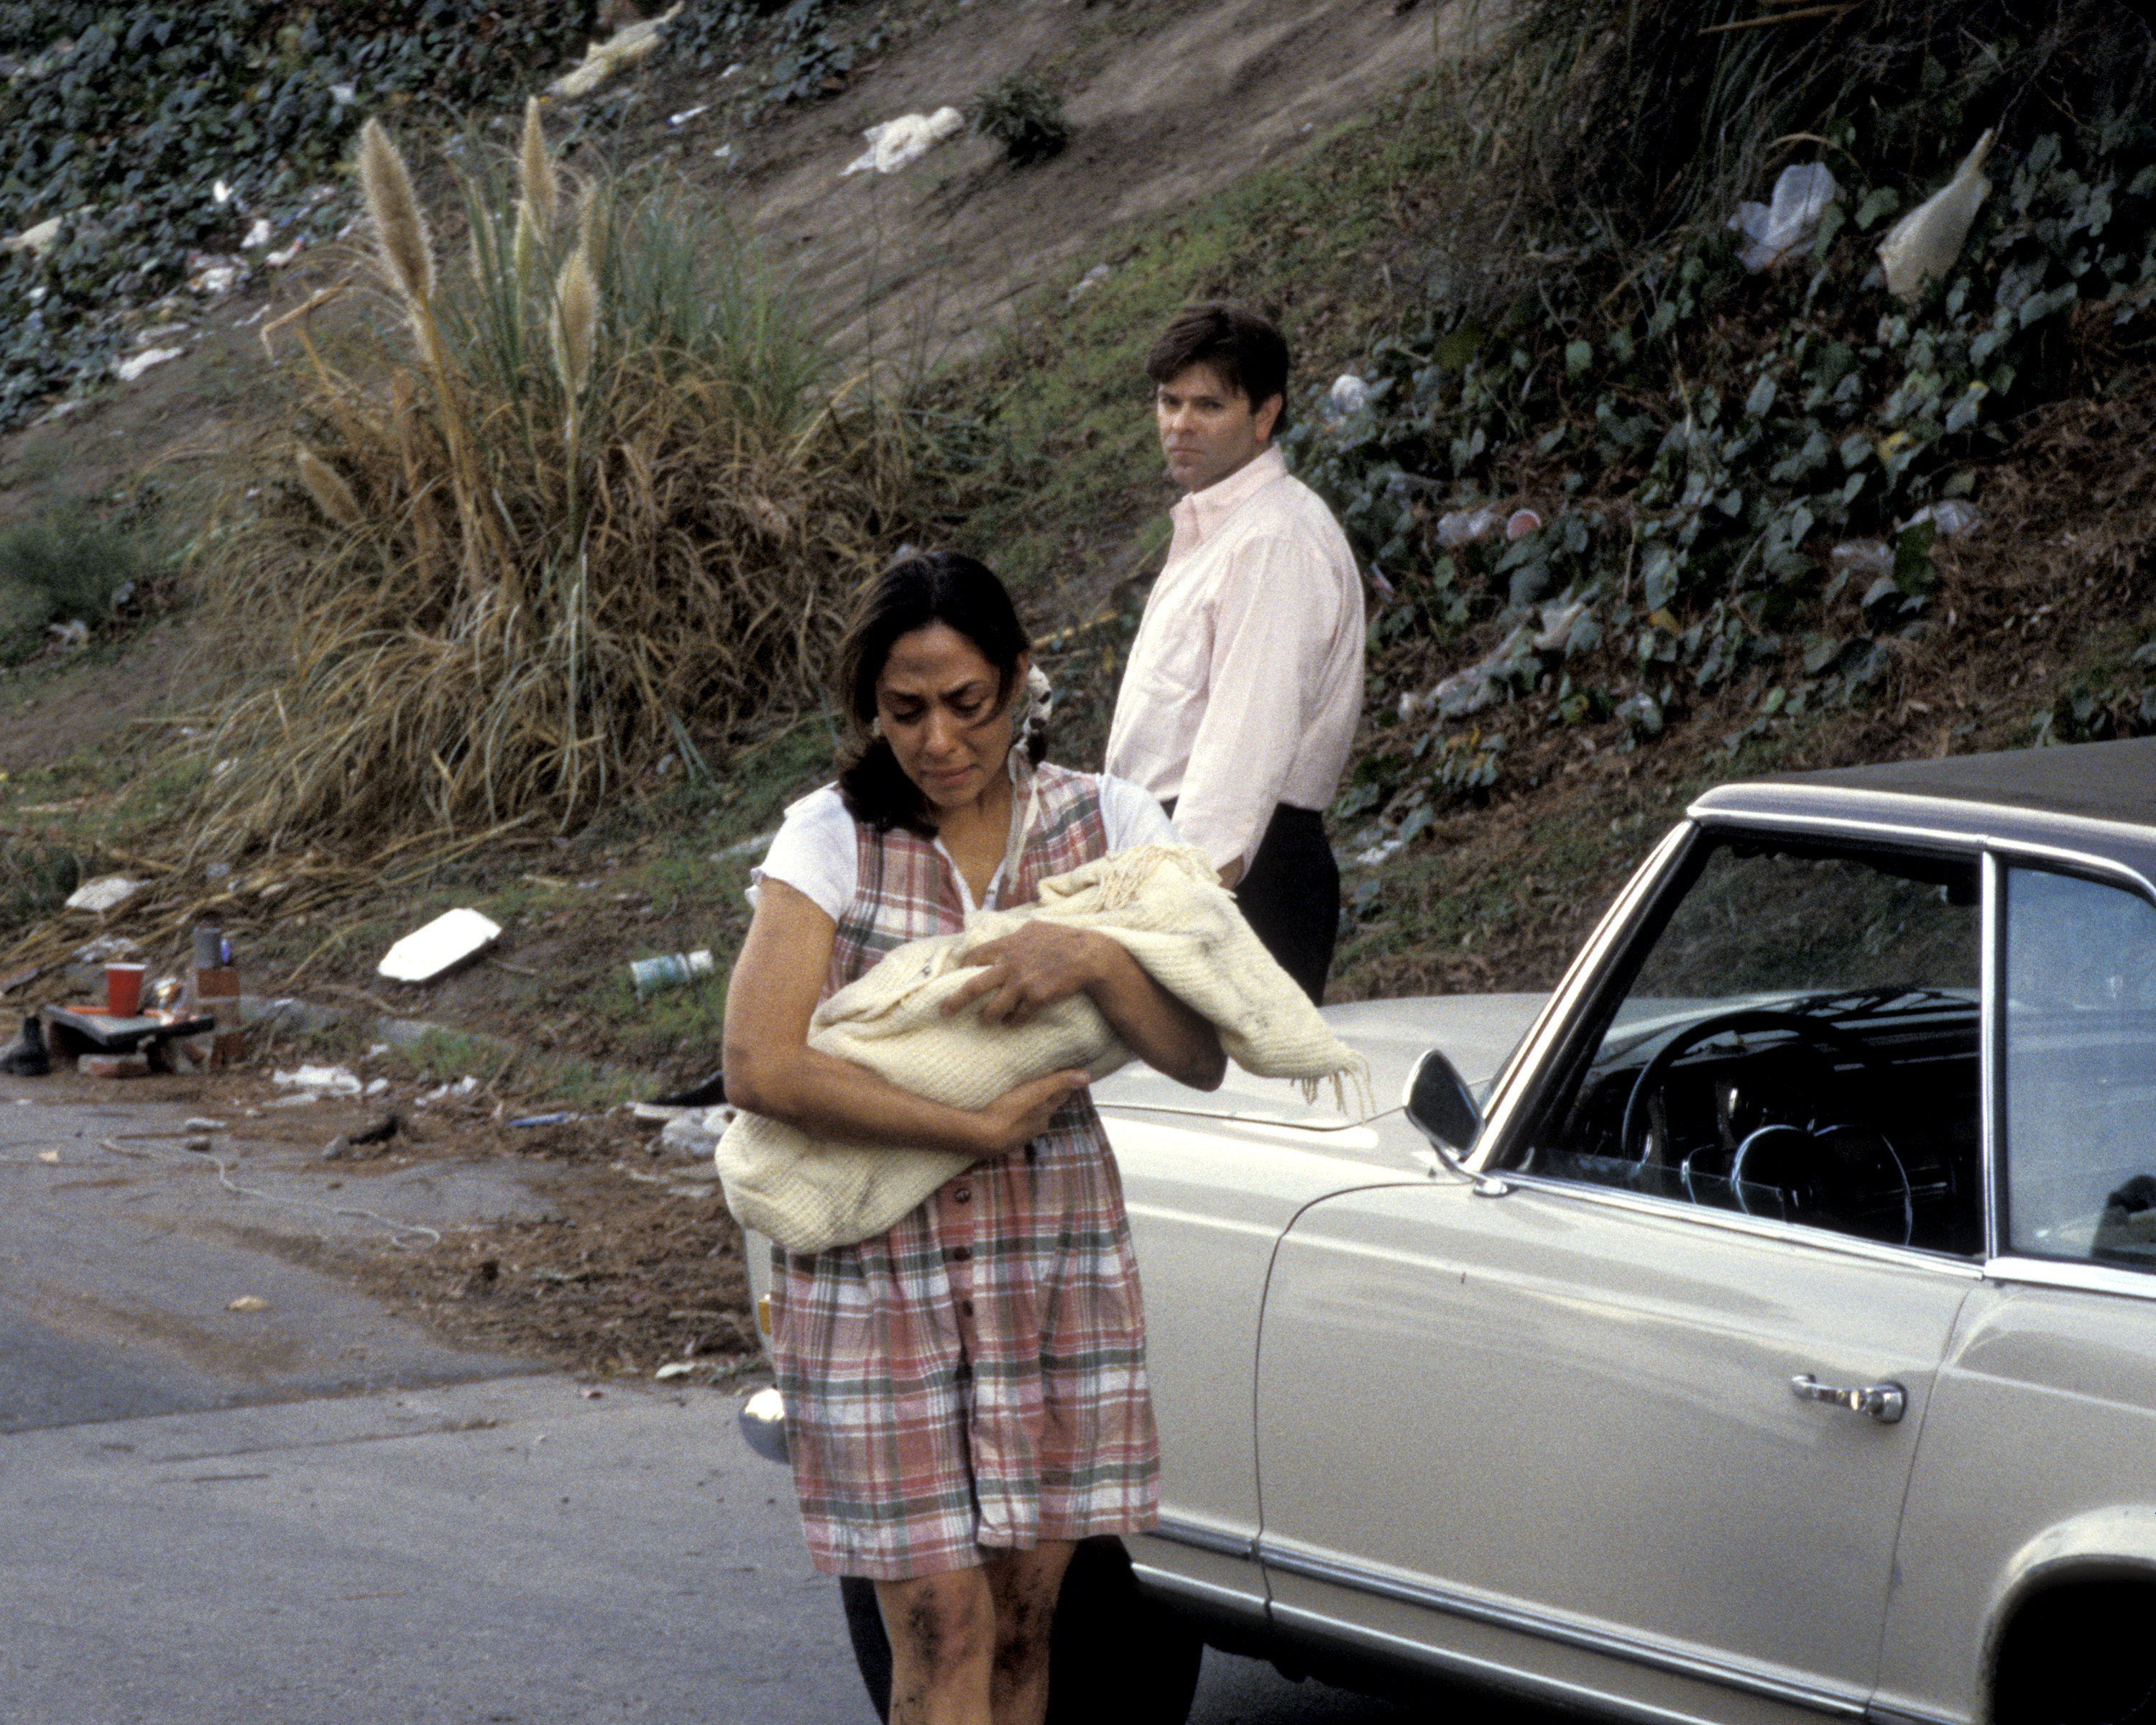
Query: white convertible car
[[1760, 1327]]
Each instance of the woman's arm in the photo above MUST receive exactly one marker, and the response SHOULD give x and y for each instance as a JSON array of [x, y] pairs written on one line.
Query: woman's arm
[[1043, 963], [772, 1070]]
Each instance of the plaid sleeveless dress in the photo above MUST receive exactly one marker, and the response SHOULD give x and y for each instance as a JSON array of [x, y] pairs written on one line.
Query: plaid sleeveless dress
[[975, 1378]]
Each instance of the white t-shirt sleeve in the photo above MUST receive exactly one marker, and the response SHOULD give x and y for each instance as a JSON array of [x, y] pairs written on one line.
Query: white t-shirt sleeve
[[1133, 815], [814, 852]]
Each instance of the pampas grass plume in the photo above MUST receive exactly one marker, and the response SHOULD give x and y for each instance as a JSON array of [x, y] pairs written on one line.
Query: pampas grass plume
[[536, 171], [400, 227], [576, 321], [326, 486]]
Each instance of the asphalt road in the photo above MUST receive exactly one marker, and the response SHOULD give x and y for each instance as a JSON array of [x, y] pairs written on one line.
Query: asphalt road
[[233, 1489]]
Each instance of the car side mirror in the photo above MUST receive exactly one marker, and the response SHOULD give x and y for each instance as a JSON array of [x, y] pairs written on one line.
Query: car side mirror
[[1441, 1106], [1444, 1111]]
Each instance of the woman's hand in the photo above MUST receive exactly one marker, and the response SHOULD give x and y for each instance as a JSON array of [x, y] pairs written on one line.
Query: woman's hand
[[1042, 963], [1030, 970], [1020, 1116]]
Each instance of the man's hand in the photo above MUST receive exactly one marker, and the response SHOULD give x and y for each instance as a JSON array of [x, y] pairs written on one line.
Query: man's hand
[[1028, 971]]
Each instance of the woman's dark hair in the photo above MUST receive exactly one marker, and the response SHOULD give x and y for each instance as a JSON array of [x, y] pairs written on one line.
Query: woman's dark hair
[[935, 586], [1244, 346]]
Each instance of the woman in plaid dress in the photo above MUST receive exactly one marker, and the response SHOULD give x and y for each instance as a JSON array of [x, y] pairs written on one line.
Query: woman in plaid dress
[[965, 1395]]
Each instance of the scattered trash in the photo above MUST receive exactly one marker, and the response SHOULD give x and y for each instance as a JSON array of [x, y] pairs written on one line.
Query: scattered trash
[[1861, 556], [221, 192], [1521, 523], [27, 1056], [668, 970], [123, 990], [37, 241], [674, 1368], [1347, 395], [103, 949], [1925, 242], [1801, 196], [375, 1086], [447, 942], [72, 635], [1464, 526], [688, 114], [247, 1303], [298, 1099], [725, 152], [895, 143], [559, 1119], [213, 274], [1558, 622], [107, 892], [1642, 713], [463, 1087], [259, 235], [603, 60], [344, 95], [51, 1158], [695, 1134], [1378, 854], [278, 260], [337, 1148], [1086, 283], [1951, 516], [333, 1080], [203, 1123]]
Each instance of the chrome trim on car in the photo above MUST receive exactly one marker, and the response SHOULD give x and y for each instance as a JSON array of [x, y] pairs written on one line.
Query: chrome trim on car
[[1907, 1716], [1991, 1053], [1491, 1672], [1153, 1580], [1228, 1541], [1847, 1703], [1548, 1030], [1761, 1227], [2069, 1273], [2028, 851]]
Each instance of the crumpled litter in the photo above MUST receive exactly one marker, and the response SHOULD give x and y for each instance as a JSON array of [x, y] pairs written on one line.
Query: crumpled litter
[[335, 1081], [1463, 526], [1802, 193], [107, 892], [1925, 242], [37, 241], [129, 369], [603, 60], [1951, 516], [1349, 394], [1086, 283], [894, 143]]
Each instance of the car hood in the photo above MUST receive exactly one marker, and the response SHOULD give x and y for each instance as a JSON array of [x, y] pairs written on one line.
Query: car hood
[[1477, 1032]]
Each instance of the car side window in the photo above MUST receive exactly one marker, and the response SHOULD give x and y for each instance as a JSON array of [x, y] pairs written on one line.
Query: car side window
[[1797, 1043], [2080, 1129]]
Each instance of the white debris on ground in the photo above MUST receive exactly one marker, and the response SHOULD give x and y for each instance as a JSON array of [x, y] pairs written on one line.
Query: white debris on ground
[[1349, 394], [448, 940], [107, 892], [603, 60], [1457, 527], [1951, 516], [1086, 283], [1774, 230], [895, 143], [1925, 242], [129, 369], [37, 241], [322, 1081]]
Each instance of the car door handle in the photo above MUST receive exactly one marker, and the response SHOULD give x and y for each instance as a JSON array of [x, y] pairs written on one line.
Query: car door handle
[[1886, 1402]]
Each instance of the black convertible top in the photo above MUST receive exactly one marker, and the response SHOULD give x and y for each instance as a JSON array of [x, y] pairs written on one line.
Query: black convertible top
[[2095, 781]]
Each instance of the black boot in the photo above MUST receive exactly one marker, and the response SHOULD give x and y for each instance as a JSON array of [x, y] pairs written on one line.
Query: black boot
[[25, 1057]]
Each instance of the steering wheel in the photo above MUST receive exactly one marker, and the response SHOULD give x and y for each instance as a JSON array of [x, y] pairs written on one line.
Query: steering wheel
[[1814, 1033], [1846, 1178]]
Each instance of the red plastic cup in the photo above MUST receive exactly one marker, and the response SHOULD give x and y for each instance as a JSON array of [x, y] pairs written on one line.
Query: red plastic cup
[[123, 990]]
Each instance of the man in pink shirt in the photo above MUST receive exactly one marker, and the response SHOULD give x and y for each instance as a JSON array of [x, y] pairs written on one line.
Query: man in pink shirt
[[1239, 705]]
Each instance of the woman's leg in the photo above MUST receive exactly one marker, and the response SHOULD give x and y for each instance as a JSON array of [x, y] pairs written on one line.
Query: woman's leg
[[1024, 1585], [942, 1630]]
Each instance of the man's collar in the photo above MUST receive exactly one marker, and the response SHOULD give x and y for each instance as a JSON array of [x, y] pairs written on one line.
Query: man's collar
[[1214, 504]]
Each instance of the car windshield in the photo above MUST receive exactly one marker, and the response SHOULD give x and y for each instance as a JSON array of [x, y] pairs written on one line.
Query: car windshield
[[1798, 1042]]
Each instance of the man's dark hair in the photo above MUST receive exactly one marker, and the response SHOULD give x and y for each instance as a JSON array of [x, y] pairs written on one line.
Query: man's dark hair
[[1243, 346], [943, 587]]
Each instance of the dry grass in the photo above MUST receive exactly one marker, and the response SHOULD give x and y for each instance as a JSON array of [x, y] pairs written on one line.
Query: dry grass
[[587, 497]]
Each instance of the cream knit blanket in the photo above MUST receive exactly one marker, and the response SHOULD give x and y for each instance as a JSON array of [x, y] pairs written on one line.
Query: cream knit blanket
[[1163, 902]]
